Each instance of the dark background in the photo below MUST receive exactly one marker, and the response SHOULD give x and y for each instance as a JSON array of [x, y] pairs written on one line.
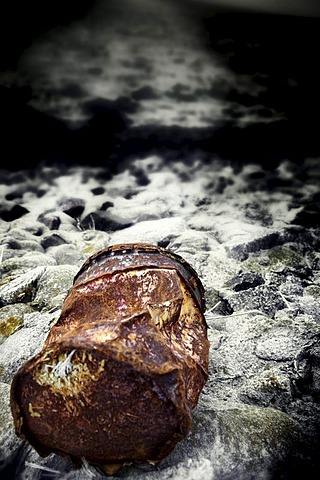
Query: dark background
[[279, 51]]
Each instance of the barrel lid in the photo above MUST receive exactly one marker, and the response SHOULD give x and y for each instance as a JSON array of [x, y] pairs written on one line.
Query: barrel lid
[[137, 255]]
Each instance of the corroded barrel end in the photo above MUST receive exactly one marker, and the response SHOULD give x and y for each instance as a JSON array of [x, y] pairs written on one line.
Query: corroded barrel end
[[84, 403], [122, 369]]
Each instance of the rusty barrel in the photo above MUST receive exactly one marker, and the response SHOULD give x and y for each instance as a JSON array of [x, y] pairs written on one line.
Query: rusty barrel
[[123, 367]]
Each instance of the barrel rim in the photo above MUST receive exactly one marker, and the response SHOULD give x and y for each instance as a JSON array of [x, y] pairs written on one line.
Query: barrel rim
[[129, 248]]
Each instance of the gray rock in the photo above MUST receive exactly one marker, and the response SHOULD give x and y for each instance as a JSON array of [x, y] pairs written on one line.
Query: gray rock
[[265, 298], [67, 255], [9, 442], [91, 241], [241, 251], [22, 288], [271, 388], [7, 253], [11, 212], [307, 378], [278, 345], [24, 343], [313, 259], [52, 240], [257, 213], [106, 205], [247, 348], [292, 288], [72, 206], [57, 220], [99, 191], [239, 442], [310, 305], [245, 280], [26, 262], [50, 221], [285, 244], [152, 231], [190, 241], [11, 318], [31, 226], [13, 243], [101, 220], [18, 234], [216, 304], [53, 286], [31, 245]]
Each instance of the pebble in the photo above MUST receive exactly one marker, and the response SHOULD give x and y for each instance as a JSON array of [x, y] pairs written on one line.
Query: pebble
[[244, 281], [52, 240], [22, 288], [12, 318], [98, 191], [51, 221], [24, 343], [263, 298], [57, 220], [26, 261], [101, 220], [54, 286], [13, 212], [72, 206], [152, 231], [67, 255]]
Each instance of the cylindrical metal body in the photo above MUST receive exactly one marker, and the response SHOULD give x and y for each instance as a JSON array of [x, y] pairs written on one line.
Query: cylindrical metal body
[[123, 367]]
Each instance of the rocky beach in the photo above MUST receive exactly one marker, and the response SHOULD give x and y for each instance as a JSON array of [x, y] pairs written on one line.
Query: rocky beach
[[133, 125]]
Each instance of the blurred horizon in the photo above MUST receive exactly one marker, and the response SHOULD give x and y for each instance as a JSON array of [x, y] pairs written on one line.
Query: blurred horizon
[[101, 82], [307, 8]]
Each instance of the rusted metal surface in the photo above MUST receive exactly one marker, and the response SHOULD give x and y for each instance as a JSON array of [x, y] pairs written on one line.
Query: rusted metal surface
[[122, 369]]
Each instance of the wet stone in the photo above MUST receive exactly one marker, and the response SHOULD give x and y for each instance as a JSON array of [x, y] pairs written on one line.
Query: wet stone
[[27, 261], [23, 343], [244, 281], [272, 388], [13, 213], [24, 245], [52, 241], [100, 220], [72, 206], [54, 285], [216, 304], [9, 442], [291, 288], [11, 318], [66, 254], [98, 191], [263, 298], [51, 221], [22, 288], [106, 205]]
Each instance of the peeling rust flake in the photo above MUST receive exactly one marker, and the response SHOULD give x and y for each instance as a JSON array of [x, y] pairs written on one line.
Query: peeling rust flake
[[121, 371]]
